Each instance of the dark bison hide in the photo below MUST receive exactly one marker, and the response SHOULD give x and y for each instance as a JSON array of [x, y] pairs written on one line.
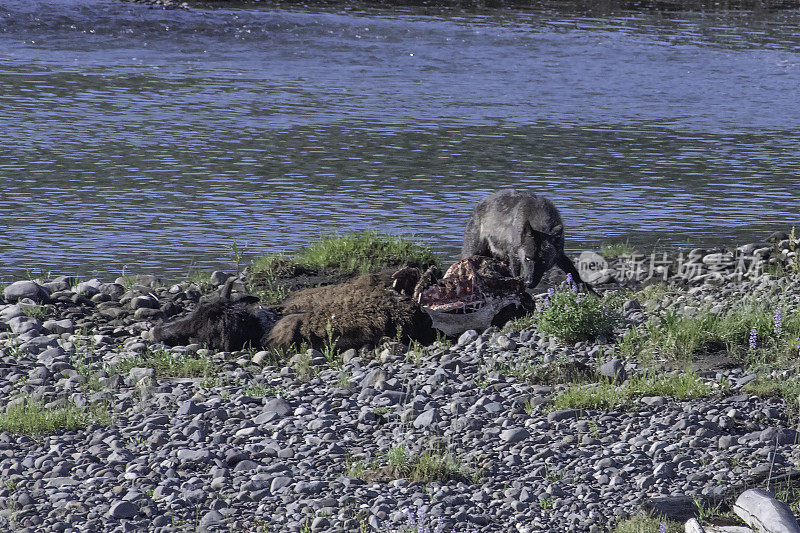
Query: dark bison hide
[[220, 325], [362, 311]]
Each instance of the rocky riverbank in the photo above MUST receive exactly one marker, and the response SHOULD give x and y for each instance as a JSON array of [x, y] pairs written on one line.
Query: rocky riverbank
[[512, 430]]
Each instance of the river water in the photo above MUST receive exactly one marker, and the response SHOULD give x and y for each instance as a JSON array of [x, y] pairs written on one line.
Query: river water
[[153, 140]]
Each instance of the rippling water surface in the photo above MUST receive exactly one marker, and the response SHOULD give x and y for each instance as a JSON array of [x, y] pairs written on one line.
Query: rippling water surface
[[154, 139]]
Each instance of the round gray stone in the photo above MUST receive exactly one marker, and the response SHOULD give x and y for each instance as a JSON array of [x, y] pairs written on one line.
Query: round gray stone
[[514, 435], [26, 289], [123, 509]]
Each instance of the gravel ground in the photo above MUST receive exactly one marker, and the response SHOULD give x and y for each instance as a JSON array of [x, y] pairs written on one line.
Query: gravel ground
[[253, 446]]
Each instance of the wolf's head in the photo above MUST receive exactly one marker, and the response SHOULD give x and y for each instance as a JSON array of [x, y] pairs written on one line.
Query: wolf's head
[[539, 252]]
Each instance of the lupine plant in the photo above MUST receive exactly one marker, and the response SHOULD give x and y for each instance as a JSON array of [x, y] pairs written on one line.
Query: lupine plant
[[572, 317], [759, 330]]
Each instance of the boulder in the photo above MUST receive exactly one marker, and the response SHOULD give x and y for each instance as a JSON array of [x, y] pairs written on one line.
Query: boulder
[[759, 510], [26, 289], [614, 370], [219, 278]]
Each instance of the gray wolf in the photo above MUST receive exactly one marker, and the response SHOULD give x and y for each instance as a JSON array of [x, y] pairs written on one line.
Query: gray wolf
[[523, 229]]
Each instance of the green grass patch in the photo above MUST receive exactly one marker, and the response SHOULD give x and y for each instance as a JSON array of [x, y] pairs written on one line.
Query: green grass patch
[[678, 337], [430, 465], [528, 371], [656, 292], [791, 496], [255, 390], [616, 249], [32, 417], [608, 396], [344, 381], [169, 364], [571, 316], [788, 389], [645, 523], [265, 278], [35, 311], [202, 280], [337, 257], [364, 252]]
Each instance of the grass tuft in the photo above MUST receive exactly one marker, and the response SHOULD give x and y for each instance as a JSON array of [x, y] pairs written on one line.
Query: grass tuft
[[527, 371], [645, 523], [32, 417], [34, 311], [202, 280], [430, 465], [788, 389], [616, 249], [608, 396], [169, 364], [255, 390]]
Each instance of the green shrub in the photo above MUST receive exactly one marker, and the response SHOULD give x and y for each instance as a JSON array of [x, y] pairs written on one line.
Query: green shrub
[[573, 317]]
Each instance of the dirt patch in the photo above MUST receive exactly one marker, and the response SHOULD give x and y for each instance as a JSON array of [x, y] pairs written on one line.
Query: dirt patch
[[712, 360], [713, 357]]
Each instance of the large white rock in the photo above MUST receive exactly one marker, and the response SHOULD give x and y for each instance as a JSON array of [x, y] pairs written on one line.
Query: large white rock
[[693, 526], [764, 513]]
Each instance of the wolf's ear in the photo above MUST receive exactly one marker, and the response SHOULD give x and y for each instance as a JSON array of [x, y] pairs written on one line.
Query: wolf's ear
[[528, 231], [558, 230]]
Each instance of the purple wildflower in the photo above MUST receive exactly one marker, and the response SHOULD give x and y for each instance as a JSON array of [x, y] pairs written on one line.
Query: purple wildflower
[[753, 339], [777, 321], [551, 292], [572, 284], [662, 528], [410, 515]]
